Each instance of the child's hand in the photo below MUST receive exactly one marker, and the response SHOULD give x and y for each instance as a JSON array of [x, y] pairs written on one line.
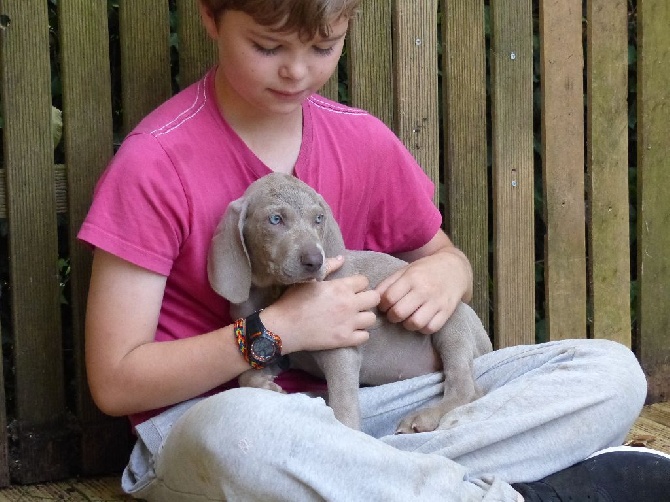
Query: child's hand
[[321, 315], [425, 293]]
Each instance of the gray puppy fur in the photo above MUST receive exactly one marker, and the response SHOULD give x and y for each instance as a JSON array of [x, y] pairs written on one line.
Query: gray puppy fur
[[252, 261]]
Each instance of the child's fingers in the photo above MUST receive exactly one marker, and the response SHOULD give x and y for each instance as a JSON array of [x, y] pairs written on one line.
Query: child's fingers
[[333, 264], [391, 291]]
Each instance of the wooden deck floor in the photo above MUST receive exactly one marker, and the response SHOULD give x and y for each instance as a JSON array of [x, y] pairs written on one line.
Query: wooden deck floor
[[652, 430]]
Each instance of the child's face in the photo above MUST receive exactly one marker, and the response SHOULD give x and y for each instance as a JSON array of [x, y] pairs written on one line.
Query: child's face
[[271, 72]]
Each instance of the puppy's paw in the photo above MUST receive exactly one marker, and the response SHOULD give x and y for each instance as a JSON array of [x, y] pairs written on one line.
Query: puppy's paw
[[259, 380], [273, 387], [425, 420]]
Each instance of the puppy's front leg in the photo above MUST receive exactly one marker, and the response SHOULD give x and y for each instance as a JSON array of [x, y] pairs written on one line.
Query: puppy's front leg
[[341, 369]]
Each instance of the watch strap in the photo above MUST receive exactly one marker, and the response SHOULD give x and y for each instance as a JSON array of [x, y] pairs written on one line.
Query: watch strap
[[246, 330]]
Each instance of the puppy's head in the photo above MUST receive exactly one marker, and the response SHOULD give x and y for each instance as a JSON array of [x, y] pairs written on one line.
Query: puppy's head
[[284, 233], [279, 233]]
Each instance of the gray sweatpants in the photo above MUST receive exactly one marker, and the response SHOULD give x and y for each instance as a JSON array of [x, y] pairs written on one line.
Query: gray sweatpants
[[546, 407]]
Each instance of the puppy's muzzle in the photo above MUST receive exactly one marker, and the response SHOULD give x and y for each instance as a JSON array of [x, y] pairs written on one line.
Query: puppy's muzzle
[[311, 260]]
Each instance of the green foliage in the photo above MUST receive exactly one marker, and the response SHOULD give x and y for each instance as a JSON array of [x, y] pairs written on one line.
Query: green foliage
[[64, 274], [56, 125]]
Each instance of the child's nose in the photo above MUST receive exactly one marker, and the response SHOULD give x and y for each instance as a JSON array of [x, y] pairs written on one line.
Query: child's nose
[[293, 68]]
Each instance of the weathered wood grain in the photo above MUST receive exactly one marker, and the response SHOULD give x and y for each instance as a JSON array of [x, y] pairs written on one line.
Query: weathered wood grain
[[653, 202], [39, 400], [415, 82], [607, 167], [464, 146], [513, 172], [562, 65], [370, 77], [88, 137], [145, 58], [197, 52]]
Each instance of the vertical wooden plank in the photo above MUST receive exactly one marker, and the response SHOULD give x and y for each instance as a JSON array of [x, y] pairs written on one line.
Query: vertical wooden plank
[[416, 82], [513, 186], [145, 58], [4, 447], [40, 436], [88, 147], [464, 146], [370, 60], [562, 64], [330, 89], [197, 52], [3, 187], [607, 163], [4, 439], [653, 203]]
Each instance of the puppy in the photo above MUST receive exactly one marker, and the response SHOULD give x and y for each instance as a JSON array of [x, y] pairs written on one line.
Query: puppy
[[252, 260]]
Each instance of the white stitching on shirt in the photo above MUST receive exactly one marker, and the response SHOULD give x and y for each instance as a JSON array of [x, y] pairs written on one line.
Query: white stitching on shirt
[[201, 86], [330, 108]]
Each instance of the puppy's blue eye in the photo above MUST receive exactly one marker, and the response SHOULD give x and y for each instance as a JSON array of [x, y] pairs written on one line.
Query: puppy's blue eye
[[319, 219], [275, 219]]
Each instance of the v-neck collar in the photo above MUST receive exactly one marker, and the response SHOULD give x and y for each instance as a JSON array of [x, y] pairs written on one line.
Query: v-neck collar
[[251, 160]]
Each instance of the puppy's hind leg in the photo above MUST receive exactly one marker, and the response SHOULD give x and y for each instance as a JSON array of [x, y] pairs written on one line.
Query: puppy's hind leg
[[459, 390], [458, 343]]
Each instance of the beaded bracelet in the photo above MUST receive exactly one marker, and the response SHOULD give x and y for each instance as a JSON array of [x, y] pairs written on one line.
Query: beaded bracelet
[[239, 332]]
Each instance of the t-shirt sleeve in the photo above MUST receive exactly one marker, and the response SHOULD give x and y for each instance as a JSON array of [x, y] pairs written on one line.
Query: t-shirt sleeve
[[403, 216], [139, 212]]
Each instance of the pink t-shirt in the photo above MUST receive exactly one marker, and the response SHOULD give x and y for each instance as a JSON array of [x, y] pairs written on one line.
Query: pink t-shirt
[[159, 201]]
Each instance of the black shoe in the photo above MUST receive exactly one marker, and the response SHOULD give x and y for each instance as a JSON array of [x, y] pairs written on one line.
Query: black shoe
[[623, 474]]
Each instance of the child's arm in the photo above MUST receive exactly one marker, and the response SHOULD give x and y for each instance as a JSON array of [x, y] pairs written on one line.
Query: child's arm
[[128, 372], [425, 293]]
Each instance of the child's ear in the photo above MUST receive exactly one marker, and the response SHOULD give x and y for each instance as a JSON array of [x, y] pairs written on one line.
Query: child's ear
[[209, 20], [228, 266]]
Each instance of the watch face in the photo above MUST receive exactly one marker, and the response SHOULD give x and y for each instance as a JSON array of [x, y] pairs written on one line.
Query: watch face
[[263, 348]]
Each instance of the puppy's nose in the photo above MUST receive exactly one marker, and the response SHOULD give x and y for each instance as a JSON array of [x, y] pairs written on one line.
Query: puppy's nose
[[311, 260]]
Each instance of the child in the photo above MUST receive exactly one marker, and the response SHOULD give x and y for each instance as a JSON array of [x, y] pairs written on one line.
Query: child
[[160, 345]]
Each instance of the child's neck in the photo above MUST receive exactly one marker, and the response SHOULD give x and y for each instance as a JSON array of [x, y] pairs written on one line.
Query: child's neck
[[274, 138], [277, 145]]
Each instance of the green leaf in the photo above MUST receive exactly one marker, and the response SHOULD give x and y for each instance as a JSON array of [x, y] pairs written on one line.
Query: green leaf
[[56, 125]]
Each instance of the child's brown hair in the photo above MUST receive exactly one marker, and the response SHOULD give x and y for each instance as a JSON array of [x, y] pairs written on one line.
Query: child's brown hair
[[307, 17]]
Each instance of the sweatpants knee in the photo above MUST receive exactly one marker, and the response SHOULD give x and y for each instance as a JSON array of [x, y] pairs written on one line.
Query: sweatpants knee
[[237, 442], [620, 369], [233, 421], [229, 434]]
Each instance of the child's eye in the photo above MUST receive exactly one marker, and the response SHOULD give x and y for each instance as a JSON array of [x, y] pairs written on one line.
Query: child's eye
[[321, 51], [267, 51]]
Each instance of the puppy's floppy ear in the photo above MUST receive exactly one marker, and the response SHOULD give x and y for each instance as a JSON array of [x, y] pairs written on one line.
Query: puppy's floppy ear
[[333, 243], [228, 266]]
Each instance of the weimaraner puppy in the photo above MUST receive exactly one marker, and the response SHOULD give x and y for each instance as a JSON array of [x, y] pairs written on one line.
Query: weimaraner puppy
[[251, 263]]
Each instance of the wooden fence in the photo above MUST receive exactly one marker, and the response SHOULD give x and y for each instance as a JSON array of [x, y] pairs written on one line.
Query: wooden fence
[[487, 155]]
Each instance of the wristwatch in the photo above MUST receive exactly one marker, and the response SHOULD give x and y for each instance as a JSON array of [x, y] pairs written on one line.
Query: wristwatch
[[263, 346]]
